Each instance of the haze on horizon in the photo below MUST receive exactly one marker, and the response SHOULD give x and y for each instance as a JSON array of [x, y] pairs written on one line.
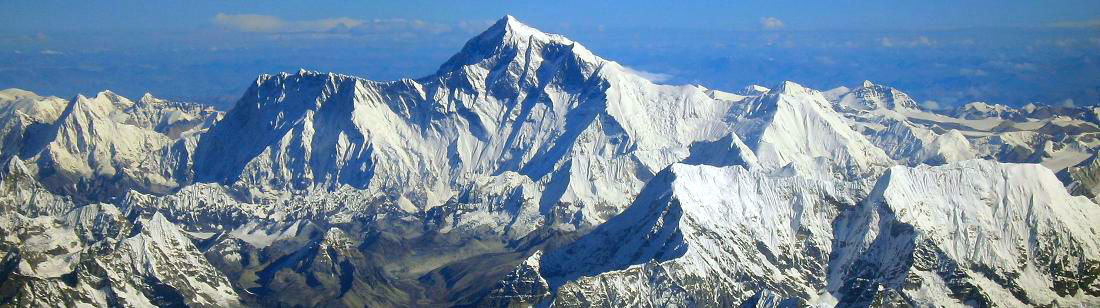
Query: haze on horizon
[[943, 53]]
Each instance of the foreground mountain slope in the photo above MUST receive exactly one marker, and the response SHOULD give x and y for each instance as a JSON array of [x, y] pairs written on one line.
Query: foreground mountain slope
[[972, 233], [706, 237], [969, 233], [95, 255]]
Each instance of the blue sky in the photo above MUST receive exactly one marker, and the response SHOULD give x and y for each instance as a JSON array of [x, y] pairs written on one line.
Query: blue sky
[[52, 15], [944, 52]]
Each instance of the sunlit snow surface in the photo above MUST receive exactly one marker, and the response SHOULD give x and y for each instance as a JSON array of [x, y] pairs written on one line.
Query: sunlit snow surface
[[529, 171]]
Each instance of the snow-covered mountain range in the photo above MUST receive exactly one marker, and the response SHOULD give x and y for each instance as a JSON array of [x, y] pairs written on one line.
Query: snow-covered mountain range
[[528, 171]]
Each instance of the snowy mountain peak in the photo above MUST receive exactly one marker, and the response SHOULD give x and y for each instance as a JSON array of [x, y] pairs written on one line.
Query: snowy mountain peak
[[871, 96], [80, 103], [148, 98], [103, 103], [511, 41], [511, 22], [117, 101], [517, 29], [796, 127], [791, 88]]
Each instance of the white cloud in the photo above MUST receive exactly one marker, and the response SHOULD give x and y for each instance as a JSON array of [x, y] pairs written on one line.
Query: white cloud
[[250, 22], [1068, 103], [886, 42], [322, 25], [651, 76], [275, 24], [923, 41], [931, 105], [50, 52], [771, 23]]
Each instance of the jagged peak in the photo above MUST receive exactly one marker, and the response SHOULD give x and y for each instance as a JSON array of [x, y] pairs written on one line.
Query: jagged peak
[[300, 74], [319, 81], [784, 93], [872, 96], [867, 85], [509, 34], [790, 87], [81, 104], [510, 23], [112, 100], [82, 108], [148, 98], [510, 26], [107, 93]]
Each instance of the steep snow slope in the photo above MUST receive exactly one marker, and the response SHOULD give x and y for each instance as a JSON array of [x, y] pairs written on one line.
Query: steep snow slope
[[706, 236], [25, 119], [98, 148], [1083, 179], [514, 99], [88, 143], [971, 233], [796, 126], [38, 108]]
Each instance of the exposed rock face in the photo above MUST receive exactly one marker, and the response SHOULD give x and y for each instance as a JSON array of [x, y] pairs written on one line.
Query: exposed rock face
[[529, 172], [975, 232]]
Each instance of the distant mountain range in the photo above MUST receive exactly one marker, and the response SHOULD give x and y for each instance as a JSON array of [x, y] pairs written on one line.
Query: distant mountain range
[[528, 171]]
